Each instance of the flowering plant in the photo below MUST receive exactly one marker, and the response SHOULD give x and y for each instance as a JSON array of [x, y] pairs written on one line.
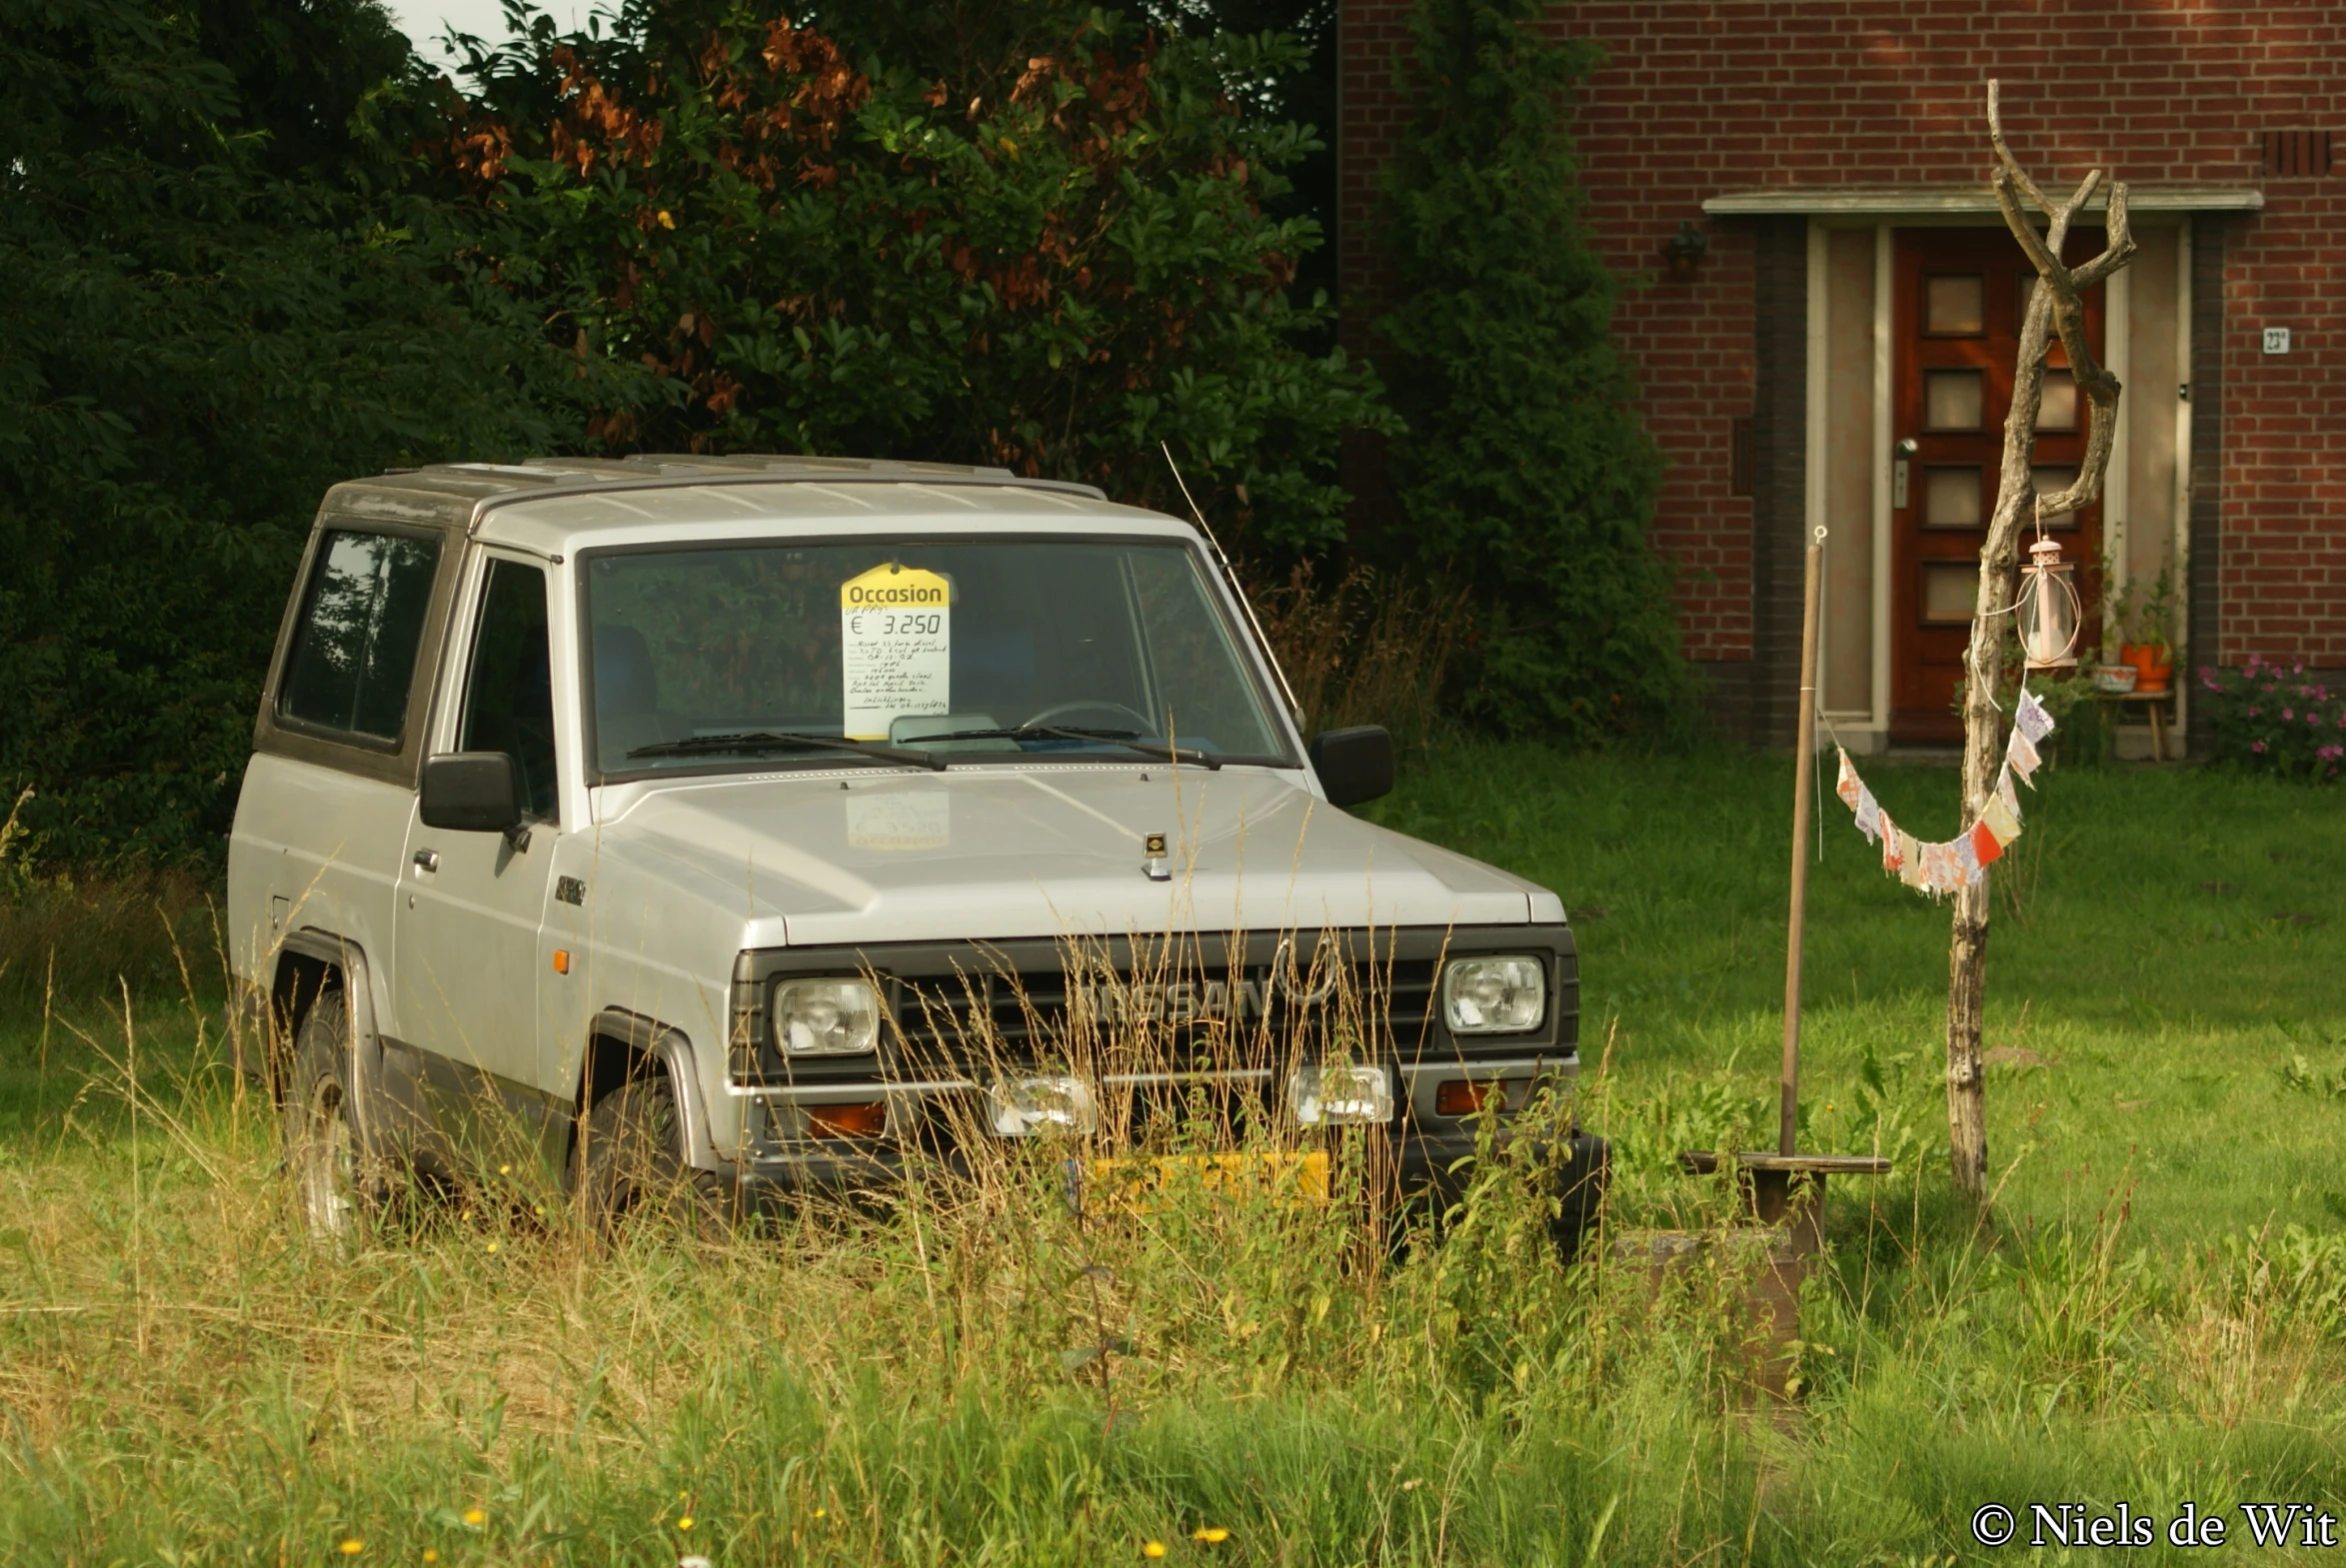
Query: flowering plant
[[2271, 718]]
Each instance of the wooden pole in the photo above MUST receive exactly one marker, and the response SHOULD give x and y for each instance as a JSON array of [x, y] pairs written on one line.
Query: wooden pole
[[1803, 785]]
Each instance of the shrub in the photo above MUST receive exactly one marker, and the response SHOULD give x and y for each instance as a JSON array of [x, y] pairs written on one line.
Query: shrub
[[220, 300], [2271, 719], [1526, 475]]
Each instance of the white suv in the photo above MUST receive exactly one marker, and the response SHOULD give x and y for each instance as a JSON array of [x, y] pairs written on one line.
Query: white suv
[[784, 816]]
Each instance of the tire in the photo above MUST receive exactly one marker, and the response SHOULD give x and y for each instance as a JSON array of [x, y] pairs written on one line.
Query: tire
[[322, 1155], [634, 1164], [1582, 1182]]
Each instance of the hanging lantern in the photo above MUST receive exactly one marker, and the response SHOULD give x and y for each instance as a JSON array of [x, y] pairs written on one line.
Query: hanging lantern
[[2049, 611]]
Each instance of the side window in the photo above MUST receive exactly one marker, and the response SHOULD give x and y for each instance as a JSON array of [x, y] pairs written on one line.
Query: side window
[[509, 694], [353, 649]]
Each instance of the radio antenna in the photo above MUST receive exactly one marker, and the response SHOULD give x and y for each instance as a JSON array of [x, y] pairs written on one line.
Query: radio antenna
[[1231, 576]]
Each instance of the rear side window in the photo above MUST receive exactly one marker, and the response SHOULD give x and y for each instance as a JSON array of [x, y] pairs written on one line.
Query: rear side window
[[361, 621]]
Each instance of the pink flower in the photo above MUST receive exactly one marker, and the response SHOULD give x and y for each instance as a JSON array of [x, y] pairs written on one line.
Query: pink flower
[[2288, 713], [2260, 745], [2252, 711]]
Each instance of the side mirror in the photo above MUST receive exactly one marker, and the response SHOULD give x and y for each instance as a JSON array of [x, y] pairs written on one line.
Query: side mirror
[[471, 791], [1354, 765]]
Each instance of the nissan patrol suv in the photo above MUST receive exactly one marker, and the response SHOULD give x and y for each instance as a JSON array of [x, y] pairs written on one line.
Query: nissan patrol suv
[[784, 820]]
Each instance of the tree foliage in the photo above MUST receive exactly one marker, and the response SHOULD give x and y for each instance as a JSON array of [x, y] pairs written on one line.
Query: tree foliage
[[255, 249], [1026, 235], [1525, 474], [218, 305]]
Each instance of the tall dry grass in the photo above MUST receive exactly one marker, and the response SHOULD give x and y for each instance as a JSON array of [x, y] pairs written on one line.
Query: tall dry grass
[[1368, 649], [1024, 1360], [63, 935]]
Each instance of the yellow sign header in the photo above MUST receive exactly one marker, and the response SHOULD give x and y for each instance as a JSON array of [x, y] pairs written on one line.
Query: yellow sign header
[[895, 588]]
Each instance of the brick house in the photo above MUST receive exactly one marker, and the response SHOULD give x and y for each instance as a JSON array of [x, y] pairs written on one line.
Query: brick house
[[1831, 357]]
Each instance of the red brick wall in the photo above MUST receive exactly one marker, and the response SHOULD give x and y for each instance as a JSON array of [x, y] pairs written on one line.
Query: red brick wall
[[1701, 98]]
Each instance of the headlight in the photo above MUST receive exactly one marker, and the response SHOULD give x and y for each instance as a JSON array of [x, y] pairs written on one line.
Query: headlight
[[1025, 1107], [1494, 995], [1333, 1097], [824, 1017]]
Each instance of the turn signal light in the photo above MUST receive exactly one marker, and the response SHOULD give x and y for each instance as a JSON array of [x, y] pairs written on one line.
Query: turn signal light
[[1465, 1098], [562, 961], [847, 1121]]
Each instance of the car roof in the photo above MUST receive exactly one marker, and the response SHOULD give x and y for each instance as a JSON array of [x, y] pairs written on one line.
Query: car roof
[[565, 497]]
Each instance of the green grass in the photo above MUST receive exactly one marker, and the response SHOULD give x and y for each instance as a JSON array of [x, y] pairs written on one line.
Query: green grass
[[2154, 1314], [2171, 945]]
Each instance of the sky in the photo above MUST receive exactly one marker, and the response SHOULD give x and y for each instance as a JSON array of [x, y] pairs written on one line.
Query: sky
[[425, 20]]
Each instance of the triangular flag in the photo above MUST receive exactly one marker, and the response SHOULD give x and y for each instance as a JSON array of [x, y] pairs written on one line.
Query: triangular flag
[[2030, 718], [1847, 787], [1985, 845], [2006, 794], [2000, 821], [1869, 817], [2022, 756], [1910, 867], [1892, 839]]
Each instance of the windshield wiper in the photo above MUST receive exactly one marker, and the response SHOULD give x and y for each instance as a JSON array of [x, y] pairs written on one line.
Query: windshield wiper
[[750, 740], [1129, 740]]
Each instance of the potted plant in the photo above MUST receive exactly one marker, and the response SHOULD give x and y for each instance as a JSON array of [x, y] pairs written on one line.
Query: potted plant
[[2151, 623]]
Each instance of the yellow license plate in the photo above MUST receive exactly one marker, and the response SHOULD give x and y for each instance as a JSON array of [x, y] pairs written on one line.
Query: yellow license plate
[[1298, 1177]]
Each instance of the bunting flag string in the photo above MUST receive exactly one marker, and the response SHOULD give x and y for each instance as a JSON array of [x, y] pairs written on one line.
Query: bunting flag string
[[1961, 862]]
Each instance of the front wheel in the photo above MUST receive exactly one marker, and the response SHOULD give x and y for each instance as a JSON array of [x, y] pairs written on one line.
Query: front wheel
[[632, 1162], [1581, 1181]]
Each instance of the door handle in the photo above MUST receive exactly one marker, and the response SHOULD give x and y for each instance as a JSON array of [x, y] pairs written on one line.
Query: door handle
[[1900, 470], [427, 859]]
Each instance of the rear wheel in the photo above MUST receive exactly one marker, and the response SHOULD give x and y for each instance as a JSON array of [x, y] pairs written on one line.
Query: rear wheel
[[322, 1151], [634, 1163]]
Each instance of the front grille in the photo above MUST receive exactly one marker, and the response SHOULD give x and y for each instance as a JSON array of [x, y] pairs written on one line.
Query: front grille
[[1125, 1007], [1159, 1019]]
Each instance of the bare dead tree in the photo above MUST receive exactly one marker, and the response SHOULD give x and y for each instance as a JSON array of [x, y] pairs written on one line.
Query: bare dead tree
[[2056, 305]]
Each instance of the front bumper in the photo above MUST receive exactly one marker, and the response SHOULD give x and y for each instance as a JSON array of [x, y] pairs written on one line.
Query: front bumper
[[937, 1118]]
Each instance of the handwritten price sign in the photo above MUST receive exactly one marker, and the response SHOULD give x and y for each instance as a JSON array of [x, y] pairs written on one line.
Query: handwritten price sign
[[896, 648]]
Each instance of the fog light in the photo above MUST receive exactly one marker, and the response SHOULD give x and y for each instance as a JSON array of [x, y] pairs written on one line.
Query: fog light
[[1334, 1097], [826, 1017], [1494, 995], [1025, 1107], [847, 1121]]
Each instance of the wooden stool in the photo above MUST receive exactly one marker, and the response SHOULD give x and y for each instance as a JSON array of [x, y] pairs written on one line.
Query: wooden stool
[[1786, 1190], [2155, 703]]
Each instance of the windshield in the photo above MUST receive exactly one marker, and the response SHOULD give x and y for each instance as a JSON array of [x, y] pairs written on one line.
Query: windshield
[[964, 651]]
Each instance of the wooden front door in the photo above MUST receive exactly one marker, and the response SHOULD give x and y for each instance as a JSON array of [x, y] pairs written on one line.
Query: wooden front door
[[1955, 321]]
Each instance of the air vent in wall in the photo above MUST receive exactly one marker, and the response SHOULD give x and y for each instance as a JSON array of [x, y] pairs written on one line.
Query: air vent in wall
[[2297, 153]]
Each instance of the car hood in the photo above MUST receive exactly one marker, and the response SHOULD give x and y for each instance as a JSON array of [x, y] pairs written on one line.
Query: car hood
[[1006, 852]]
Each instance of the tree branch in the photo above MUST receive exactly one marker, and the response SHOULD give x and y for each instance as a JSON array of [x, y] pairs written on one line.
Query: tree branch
[[1996, 136]]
